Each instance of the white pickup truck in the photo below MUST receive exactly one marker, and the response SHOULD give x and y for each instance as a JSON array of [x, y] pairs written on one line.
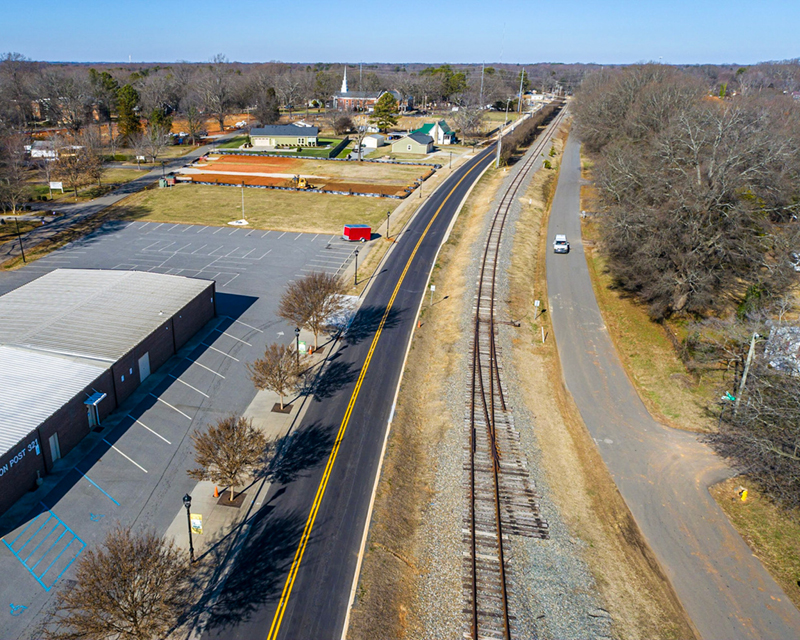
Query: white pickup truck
[[560, 244]]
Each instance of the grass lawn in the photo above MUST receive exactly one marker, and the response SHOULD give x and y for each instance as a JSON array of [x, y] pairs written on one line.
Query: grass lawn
[[772, 534], [264, 209], [8, 231], [110, 179], [233, 143]]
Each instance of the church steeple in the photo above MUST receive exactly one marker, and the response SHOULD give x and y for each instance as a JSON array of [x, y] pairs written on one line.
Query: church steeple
[[344, 80]]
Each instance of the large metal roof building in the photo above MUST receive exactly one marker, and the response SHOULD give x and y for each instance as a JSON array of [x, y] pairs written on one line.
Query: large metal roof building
[[76, 342]]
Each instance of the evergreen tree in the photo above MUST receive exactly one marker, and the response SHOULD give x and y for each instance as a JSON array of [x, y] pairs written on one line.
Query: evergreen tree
[[128, 116], [386, 110]]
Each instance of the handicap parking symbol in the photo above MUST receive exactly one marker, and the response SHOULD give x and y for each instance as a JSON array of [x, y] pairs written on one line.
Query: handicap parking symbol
[[95, 517], [17, 609]]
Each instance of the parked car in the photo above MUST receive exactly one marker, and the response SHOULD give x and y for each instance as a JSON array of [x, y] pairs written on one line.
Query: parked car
[[560, 244]]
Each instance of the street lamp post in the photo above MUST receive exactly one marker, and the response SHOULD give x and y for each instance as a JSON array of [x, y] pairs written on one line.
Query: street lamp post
[[297, 344], [388, 213], [355, 274], [451, 161], [187, 502], [162, 169], [19, 237]]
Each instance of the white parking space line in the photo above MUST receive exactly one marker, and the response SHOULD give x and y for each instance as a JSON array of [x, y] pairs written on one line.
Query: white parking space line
[[217, 231], [205, 367], [188, 385], [225, 333], [231, 280], [182, 248], [242, 323], [266, 234], [186, 228], [198, 249], [227, 355], [299, 235], [161, 224], [142, 424], [171, 407], [283, 234], [203, 229], [265, 255], [232, 232], [314, 238], [172, 227], [247, 254], [131, 460]]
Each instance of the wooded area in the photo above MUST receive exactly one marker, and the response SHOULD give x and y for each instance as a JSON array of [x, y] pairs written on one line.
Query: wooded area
[[699, 190]]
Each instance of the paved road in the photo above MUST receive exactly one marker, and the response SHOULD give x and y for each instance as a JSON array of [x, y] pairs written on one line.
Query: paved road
[[317, 602], [662, 473], [73, 213]]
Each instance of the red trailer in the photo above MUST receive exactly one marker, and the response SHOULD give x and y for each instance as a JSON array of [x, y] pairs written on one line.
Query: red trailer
[[357, 232]]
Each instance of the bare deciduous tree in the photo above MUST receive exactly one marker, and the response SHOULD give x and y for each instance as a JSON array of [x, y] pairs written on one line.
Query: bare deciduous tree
[[216, 89], [310, 301], [155, 139], [228, 451], [762, 436], [135, 587], [279, 370], [14, 189], [469, 121]]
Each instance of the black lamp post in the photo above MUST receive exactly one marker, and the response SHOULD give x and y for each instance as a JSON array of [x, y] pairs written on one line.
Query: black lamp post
[[187, 502], [297, 344], [162, 169], [355, 274], [388, 213], [19, 237]]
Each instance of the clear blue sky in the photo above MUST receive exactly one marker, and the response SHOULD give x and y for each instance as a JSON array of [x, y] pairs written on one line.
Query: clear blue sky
[[610, 31]]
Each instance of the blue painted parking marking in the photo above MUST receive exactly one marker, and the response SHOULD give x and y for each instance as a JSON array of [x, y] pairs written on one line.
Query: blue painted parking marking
[[46, 547], [107, 495], [17, 609]]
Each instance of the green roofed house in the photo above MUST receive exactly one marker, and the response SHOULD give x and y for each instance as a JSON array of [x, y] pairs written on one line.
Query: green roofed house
[[283, 135], [439, 131]]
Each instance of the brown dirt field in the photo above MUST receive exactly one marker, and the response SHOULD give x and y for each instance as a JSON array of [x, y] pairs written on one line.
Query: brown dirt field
[[250, 161], [261, 181], [211, 125]]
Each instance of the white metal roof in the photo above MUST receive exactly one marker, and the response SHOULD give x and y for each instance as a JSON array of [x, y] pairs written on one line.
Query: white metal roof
[[92, 313], [33, 386], [61, 331]]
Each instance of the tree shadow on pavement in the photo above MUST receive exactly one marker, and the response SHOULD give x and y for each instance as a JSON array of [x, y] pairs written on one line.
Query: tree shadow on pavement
[[256, 577], [367, 321], [334, 377], [299, 452]]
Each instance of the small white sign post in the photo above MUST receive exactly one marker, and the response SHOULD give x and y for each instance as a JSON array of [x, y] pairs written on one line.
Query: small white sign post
[[140, 159], [433, 288], [536, 310], [56, 185]]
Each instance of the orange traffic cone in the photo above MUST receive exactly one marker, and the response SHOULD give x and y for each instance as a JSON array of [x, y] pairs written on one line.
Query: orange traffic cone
[[216, 492]]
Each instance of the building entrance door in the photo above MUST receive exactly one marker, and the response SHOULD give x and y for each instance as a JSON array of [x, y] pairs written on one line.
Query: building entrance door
[[144, 367]]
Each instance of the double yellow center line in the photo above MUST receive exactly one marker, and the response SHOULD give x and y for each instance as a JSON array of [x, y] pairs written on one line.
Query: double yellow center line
[[312, 516]]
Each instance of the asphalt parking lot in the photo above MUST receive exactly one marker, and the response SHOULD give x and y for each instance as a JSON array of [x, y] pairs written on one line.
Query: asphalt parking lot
[[133, 471]]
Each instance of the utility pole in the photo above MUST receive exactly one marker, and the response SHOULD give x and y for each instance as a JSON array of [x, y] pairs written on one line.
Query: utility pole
[[19, 237], [519, 103], [497, 157], [480, 105], [747, 364]]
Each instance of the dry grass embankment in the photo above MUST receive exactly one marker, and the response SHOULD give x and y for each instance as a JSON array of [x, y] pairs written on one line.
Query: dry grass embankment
[[772, 534], [635, 591], [391, 567]]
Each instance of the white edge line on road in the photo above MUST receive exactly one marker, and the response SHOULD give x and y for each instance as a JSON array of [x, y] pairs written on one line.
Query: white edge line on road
[[188, 385], [171, 407], [394, 402], [206, 368], [148, 428], [131, 460]]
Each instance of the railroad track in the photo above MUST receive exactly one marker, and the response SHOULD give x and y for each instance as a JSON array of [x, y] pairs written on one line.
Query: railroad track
[[500, 499]]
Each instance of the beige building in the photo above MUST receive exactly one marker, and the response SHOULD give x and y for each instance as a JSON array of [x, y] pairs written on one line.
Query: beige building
[[413, 143]]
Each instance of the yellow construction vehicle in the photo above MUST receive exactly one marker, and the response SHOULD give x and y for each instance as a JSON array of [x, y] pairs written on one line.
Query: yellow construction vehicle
[[300, 183]]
